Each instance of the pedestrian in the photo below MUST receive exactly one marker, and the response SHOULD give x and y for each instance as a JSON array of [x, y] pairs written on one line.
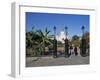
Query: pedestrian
[[71, 50], [75, 51]]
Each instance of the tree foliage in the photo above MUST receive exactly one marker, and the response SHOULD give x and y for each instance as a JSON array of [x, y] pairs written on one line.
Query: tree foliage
[[75, 40], [37, 40]]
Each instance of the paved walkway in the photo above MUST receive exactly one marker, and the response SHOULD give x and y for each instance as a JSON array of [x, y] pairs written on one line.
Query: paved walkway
[[50, 61]]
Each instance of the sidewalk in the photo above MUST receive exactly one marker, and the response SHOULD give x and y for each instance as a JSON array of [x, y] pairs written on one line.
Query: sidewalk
[[50, 61]]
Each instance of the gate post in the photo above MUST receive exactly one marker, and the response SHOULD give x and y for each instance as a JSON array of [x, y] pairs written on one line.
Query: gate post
[[83, 44], [66, 43], [83, 47], [54, 44], [55, 48], [66, 48]]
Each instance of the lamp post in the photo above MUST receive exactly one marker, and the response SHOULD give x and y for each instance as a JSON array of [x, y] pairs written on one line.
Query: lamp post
[[66, 28], [83, 43], [54, 28], [83, 28], [54, 44], [66, 43]]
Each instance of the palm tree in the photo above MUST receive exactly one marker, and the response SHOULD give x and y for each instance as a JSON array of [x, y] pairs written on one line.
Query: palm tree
[[29, 40], [45, 40], [32, 41]]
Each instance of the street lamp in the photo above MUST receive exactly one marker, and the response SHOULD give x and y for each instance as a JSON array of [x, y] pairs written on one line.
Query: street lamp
[[54, 43], [83, 43], [66, 43], [83, 28], [66, 30], [54, 28]]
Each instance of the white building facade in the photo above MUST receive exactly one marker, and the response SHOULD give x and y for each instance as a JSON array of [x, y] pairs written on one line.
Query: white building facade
[[61, 36]]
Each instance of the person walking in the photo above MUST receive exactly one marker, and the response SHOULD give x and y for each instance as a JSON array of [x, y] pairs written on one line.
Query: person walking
[[71, 50], [75, 51]]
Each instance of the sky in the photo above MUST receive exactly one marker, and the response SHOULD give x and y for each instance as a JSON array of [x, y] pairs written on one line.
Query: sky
[[72, 21]]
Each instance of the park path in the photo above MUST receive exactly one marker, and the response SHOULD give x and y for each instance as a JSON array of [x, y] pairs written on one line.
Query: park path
[[50, 61]]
